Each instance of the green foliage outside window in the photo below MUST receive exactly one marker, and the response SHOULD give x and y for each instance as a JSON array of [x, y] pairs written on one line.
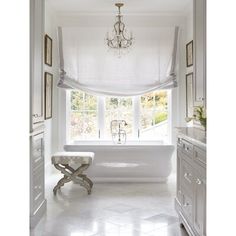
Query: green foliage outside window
[[84, 113], [153, 108], [159, 117]]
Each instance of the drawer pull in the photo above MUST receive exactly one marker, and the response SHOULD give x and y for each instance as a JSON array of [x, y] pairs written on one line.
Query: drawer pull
[[186, 176], [198, 181], [186, 204], [186, 148]]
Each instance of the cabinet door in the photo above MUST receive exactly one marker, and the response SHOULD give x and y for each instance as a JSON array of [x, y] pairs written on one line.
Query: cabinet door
[[36, 62], [37, 171], [199, 12], [37, 150], [37, 191], [179, 194], [200, 202]]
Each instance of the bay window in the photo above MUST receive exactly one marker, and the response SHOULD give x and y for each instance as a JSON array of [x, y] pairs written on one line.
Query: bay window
[[90, 116]]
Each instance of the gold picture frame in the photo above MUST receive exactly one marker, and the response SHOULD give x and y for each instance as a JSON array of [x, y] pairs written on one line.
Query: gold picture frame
[[48, 86], [48, 50], [189, 95], [189, 54]]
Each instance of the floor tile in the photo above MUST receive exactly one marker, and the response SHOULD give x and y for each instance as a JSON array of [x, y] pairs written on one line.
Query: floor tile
[[113, 209], [172, 230], [120, 208], [162, 220]]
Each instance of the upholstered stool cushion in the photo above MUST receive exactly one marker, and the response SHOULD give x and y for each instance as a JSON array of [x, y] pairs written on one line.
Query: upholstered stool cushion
[[73, 158]]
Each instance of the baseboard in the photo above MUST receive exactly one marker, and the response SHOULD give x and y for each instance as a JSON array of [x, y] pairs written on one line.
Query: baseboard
[[38, 214], [127, 180]]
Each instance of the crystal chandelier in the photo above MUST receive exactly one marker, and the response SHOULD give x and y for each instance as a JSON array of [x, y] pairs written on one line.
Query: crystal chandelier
[[120, 39]]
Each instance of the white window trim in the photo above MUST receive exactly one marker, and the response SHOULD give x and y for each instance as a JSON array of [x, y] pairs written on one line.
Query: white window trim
[[101, 118]]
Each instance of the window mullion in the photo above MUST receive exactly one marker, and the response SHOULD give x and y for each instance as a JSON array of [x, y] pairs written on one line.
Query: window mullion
[[101, 116], [136, 116]]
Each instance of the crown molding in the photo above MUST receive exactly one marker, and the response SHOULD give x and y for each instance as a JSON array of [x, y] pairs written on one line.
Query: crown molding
[[113, 14]]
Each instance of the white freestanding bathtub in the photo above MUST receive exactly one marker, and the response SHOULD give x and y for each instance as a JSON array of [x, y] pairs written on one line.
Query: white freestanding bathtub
[[132, 162]]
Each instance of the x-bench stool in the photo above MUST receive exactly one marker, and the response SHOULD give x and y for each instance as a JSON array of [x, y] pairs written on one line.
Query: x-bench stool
[[63, 161]]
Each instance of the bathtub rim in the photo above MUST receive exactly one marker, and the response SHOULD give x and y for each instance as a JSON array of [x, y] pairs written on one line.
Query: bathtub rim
[[75, 148], [130, 179], [104, 142]]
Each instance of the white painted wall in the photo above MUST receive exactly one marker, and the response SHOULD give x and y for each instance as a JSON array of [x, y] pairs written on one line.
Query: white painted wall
[[51, 143], [179, 94], [189, 37]]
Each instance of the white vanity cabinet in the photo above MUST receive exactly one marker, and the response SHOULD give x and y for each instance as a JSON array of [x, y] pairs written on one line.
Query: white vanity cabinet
[[37, 196], [199, 192], [36, 63], [190, 199], [199, 35]]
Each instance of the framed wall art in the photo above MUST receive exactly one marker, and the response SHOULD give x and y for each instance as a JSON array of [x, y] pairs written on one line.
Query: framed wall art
[[189, 53], [48, 84], [48, 50], [189, 95]]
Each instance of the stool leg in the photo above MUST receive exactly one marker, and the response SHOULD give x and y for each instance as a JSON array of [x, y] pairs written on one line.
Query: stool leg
[[75, 175], [83, 184], [60, 183], [85, 178]]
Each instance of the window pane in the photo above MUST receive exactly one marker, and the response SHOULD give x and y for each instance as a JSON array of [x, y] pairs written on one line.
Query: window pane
[[90, 102], [76, 131], [161, 99], [125, 103], [90, 125], [118, 109], [160, 116], [128, 117], [77, 100], [111, 103], [154, 114], [83, 119], [147, 101], [146, 119]]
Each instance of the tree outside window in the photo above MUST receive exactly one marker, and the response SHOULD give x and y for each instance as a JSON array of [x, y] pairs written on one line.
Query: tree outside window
[[146, 116]]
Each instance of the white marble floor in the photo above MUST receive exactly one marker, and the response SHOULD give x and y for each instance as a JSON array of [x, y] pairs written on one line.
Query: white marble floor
[[113, 209]]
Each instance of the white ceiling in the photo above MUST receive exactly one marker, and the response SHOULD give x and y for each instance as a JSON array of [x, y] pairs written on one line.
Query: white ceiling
[[131, 6]]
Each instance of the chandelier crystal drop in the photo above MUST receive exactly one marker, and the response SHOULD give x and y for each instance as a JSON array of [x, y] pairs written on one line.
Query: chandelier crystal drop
[[120, 39]]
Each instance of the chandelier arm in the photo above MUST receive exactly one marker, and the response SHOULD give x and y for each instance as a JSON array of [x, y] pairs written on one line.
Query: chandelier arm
[[110, 44], [128, 39]]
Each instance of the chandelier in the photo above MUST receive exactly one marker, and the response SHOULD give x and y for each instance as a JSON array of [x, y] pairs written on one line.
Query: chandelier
[[120, 39]]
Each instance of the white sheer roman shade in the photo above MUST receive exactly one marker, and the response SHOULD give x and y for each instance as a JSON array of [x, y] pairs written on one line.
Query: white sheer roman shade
[[88, 65]]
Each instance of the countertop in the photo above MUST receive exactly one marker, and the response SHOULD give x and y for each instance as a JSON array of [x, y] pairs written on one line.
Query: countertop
[[194, 135]]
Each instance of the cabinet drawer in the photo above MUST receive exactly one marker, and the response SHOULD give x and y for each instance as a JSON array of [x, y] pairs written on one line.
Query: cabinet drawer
[[187, 206], [200, 155], [37, 153], [37, 187], [187, 178]]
